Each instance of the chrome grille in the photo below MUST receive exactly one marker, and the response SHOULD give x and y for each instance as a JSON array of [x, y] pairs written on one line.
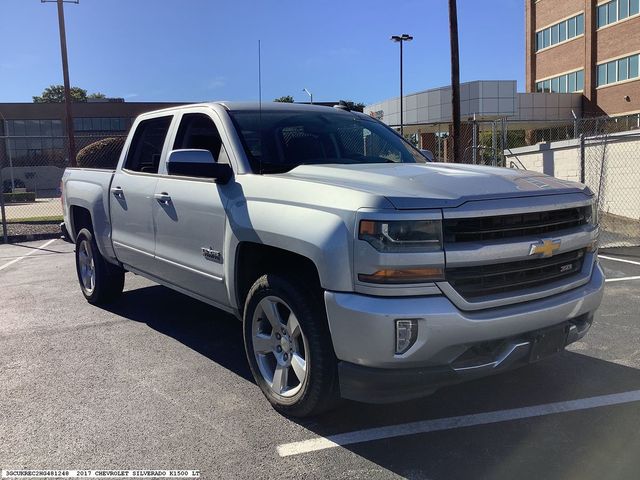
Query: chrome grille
[[514, 225], [483, 280]]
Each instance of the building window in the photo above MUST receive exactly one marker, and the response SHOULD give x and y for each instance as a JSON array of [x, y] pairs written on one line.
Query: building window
[[97, 124], [30, 138], [34, 128], [618, 70], [560, 32], [563, 31], [569, 83], [617, 10]]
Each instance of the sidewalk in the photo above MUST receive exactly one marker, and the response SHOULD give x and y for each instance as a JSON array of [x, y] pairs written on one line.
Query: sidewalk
[[41, 209]]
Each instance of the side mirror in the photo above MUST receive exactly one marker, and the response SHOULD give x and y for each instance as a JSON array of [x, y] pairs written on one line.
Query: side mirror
[[428, 154], [199, 163]]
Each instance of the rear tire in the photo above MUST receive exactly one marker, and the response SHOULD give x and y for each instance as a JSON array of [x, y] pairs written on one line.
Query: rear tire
[[289, 347], [100, 281]]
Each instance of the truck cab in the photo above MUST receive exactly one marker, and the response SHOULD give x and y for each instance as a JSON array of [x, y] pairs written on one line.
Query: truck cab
[[359, 269]]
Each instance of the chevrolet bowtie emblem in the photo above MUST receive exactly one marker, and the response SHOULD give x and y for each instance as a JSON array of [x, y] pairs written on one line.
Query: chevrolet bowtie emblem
[[544, 247]]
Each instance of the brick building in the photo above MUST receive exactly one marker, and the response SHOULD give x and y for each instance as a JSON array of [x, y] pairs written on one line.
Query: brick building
[[586, 46]]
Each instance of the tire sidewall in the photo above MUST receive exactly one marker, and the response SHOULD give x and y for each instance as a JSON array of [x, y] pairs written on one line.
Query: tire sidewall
[[85, 234], [296, 299]]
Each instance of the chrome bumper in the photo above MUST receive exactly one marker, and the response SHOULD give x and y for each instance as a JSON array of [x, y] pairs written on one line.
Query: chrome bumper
[[363, 327]]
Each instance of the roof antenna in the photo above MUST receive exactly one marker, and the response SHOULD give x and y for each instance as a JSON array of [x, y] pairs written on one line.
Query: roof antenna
[[260, 103], [259, 77]]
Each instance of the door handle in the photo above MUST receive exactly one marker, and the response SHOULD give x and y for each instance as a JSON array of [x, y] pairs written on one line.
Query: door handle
[[117, 192], [163, 198]]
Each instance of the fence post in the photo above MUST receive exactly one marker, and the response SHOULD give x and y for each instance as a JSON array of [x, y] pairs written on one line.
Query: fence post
[[494, 143], [475, 141], [2, 211], [582, 160]]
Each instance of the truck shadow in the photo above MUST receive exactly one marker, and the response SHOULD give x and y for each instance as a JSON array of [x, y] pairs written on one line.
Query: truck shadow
[[209, 331], [596, 443]]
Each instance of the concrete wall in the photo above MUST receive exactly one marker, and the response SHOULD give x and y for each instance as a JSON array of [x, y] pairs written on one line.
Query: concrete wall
[[620, 190], [44, 180]]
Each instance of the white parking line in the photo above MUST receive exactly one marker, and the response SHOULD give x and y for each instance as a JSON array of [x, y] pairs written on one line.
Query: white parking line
[[46, 244], [359, 436], [624, 260], [622, 279]]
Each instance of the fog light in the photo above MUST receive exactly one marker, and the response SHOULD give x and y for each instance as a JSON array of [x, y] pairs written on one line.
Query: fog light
[[406, 335]]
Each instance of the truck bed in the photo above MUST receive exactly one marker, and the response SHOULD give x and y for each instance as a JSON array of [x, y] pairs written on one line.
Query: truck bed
[[89, 188]]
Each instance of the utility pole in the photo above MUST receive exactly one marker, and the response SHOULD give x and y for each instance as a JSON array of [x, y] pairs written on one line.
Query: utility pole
[[65, 74], [455, 79]]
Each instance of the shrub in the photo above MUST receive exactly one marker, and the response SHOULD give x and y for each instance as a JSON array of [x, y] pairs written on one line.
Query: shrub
[[101, 154], [19, 197]]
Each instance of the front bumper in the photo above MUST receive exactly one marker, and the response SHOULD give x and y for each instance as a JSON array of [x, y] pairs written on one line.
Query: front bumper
[[363, 332]]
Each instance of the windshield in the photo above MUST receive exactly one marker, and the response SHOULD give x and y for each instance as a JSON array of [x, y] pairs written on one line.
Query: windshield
[[278, 141]]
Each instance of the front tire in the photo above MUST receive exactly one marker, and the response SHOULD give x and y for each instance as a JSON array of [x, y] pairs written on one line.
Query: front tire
[[289, 347], [100, 281]]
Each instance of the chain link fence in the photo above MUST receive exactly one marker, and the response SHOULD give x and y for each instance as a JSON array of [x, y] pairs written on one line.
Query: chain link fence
[[31, 169], [603, 153], [492, 142], [610, 162]]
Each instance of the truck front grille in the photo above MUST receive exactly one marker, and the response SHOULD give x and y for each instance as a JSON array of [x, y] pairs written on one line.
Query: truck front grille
[[515, 225], [482, 280]]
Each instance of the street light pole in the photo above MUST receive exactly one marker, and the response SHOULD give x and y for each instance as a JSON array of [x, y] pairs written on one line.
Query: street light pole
[[401, 39], [310, 95], [65, 74]]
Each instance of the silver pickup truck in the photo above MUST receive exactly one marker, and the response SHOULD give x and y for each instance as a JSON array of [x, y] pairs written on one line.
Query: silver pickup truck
[[359, 269]]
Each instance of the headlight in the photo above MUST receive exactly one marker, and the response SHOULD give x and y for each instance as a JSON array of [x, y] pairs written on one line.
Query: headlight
[[400, 236]]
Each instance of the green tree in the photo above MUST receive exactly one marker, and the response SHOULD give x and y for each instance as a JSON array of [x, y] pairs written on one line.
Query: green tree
[[55, 94], [514, 139], [357, 106], [284, 99]]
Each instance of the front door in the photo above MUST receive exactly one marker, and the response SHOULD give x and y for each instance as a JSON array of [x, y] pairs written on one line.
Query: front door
[[190, 217], [132, 192]]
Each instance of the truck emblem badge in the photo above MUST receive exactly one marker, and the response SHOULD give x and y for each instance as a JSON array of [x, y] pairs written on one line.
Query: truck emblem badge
[[211, 254], [544, 247], [566, 268]]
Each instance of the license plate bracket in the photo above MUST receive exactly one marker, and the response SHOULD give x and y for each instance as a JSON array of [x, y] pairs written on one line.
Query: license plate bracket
[[548, 342]]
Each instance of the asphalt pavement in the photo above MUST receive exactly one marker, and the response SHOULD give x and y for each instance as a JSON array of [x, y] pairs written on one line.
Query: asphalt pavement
[[159, 380]]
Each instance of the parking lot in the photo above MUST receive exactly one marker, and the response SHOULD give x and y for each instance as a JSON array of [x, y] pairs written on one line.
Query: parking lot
[[160, 381]]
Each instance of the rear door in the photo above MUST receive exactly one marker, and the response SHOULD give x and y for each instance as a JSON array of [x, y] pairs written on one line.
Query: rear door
[[131, 195], [191, 219]]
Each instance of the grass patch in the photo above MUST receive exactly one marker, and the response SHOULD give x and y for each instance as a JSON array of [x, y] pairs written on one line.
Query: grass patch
[[42, 219]]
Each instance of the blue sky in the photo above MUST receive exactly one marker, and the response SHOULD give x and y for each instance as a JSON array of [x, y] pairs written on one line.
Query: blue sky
[[196, 50]]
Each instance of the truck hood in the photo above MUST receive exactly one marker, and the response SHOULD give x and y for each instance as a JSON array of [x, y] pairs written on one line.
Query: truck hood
[[417, 186]]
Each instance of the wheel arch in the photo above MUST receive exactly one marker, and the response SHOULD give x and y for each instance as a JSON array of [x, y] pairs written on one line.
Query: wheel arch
[[252, 260]]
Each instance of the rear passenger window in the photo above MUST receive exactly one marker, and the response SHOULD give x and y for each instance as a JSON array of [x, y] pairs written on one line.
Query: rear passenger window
[[197, 130], [146, 146]]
